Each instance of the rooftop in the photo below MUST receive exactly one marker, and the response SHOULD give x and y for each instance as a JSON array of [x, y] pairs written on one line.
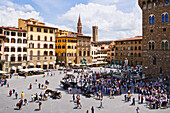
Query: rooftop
[[126, 39], [12, 29], [41, 26]]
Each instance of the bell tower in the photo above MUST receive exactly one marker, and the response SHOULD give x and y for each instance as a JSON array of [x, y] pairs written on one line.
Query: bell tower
[[79, 26]]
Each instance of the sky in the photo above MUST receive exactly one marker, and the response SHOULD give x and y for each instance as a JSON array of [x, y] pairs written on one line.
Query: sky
[[115, 18]]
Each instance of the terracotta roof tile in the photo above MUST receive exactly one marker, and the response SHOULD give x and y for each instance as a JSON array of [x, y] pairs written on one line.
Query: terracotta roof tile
[[13, 29], [126, 39]]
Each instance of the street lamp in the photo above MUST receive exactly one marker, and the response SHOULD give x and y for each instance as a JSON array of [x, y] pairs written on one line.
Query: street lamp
[[126, 65]]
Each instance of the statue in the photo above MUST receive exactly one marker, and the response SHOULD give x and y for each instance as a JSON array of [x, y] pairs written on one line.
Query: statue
[[83, 61]]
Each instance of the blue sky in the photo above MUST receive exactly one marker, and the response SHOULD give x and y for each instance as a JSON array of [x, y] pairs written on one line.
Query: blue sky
[[115, 18]]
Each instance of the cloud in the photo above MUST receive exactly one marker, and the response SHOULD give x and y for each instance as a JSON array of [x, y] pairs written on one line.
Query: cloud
[[112, 23], [104, 2], [11, 12]]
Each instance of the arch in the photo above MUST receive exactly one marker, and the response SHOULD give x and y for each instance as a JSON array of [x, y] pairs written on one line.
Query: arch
[[45, 53], [51, 53], [45, 46], [51, 46]]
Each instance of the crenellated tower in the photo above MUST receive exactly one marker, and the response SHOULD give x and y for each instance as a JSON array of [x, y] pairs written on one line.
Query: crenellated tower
[[156, 37]]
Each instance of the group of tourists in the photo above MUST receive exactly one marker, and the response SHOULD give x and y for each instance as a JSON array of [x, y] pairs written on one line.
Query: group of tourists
[[4, 82]]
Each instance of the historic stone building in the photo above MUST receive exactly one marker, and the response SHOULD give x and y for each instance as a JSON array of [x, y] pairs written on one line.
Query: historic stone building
[[2, 58], [156, 37], [41, 43], [130, 48]]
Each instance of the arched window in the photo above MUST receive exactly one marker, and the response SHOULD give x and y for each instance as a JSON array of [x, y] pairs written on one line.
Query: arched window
[[45, 38], [166, 45], [45, 46], [150, 19], [12, 40], [31, 53], [31, 37], [154, 60], [19, 57], [150, 45], [25, 41], [153, 19], [51, 38], [51, 53], [163, 18], [59, 46], [135, 55], [153, 45], [6, 40], [38, 53], [166, 17], [139, 54], [38, 45], [38, 38], [166, 2], [45, 53], [162, 45], [51, 46], [19, 41]]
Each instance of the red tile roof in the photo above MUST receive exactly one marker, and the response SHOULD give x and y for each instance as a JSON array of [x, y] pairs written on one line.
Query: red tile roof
[[126, 39], [2, 35], [13, 29]]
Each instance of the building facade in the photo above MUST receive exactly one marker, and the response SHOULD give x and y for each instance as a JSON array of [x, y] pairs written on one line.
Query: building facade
[[130, 48], [156, 37], [66, 50], [2, 58], [15, 49], [41, 43], [94, 49]]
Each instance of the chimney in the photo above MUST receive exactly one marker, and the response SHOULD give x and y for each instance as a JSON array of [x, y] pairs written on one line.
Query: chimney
[[95, 33]]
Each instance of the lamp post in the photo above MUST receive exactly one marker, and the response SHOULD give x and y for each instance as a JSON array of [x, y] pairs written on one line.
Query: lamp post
[[126, 65]]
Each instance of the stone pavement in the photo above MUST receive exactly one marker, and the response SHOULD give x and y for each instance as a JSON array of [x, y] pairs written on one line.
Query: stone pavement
[[63, 105]]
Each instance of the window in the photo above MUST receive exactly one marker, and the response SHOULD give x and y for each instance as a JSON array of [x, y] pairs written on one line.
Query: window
[[31, 28], [25, 41], [131, 48], [6, 57], [163, 18], [19, 58], [84, 42], [51, 39], [79, 42], [31, 45], [24, 49], [139, 54], [64, 40], [128, 54], [151, 45], [51, 53], [6, 40], [31, 37], [6, 49], [131, 54], [135, 55], [51, 31], [166, 2], [59, 47], [154, 60], [38, 38], [128, 48], [164, 45], [12, 49], [88, 53], [13, 34], [135, 48], [68, 40], [151, 19], [45, 53], [51, 46], [38, 53], [25, 57], [166, 17], [24, 34], [69, 47], [139, 47], [12, 40], [164, 29], [45, 38], [19, 34], [45, 46], [6, 33], [38, 45], [19, 41], [19, 49], [45, 30], [63, 47], [38, 29], [80, 53], [63, 54], [84, 53], [59, 40], [13, 58]]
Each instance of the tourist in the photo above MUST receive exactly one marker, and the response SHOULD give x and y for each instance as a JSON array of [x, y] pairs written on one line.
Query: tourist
[[25, 101], [22, 95], [30, 86], [13, 91], [137, 110], [39, 85], [73, 97], [10, 93], [39, 105], [87, 111], [101, 104], [8, 84], [16, 95], [133, 101], [32, 98], [92, 109]]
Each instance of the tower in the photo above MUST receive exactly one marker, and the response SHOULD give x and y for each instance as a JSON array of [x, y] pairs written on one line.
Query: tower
[[95, 33], [79, 26], [156, 37]]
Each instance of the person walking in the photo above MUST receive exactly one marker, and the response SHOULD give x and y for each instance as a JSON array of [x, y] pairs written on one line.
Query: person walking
[[30, 86], [22, 95], [101, 104], [39, 85], [32, 98], [137, 110], [73, 97], [92, 109], [13, 91], [39, 105], [10, 93], [16, 95], [87, 111]]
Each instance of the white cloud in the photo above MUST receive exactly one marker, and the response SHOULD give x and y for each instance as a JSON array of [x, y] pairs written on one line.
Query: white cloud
[[112, 23], [105, 2]]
